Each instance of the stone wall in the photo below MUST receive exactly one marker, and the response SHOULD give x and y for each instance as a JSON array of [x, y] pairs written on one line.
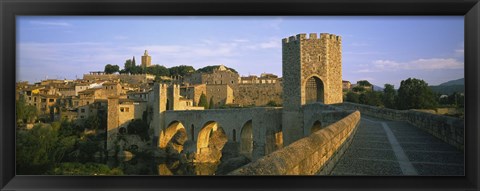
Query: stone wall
[[314, 154], [220, 93], [258, 94], [449, 129]]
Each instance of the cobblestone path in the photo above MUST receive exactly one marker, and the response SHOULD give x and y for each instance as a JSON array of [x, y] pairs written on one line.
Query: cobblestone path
[[382, 147]]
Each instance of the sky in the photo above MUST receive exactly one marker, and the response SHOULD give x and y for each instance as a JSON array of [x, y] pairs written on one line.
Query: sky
[[380, 49]]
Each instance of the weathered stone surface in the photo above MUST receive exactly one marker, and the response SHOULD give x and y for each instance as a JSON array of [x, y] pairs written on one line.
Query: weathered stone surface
[[231, 164], [307, 155], [449, 129]]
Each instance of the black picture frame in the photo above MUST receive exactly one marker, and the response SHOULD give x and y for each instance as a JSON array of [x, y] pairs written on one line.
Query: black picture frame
[[11, 8]]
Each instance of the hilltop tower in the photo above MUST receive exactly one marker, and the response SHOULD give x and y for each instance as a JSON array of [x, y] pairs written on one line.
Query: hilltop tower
[[312, 72], [146, 60]]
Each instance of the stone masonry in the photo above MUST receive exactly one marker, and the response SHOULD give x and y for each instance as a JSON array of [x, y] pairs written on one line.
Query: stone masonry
[[302, 59]]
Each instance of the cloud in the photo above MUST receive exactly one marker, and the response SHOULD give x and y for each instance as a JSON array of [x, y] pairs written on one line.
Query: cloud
[[47, 23], [460, 52], [419, 64]]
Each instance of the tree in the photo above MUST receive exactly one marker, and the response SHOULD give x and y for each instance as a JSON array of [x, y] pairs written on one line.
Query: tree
[[415, 94], [38, 149], [373, 98], [358, 89], [389, 96], [127, 66], [209, 69], [110, 69], [157, 70], [203, 101], [353, 97], [212, 104], [25, 113], [364, 83], [133, 62], [138, 127], [181, 70]]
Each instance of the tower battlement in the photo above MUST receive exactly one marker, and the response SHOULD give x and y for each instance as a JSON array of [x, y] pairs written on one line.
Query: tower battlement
[[312, 36]]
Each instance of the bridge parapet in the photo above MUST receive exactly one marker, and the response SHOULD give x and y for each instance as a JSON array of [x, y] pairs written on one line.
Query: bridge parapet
[[309, 155], [449, 129]]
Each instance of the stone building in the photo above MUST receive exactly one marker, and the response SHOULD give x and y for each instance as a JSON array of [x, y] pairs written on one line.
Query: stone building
[[146, 60], [346, 85], [221, 94], [220, 75]]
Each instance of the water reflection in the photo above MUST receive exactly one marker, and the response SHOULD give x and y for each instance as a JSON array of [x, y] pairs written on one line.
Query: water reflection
[[146, 166]]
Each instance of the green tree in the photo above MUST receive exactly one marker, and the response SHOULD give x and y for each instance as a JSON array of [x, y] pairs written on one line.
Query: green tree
[[138, 127], [110, 69], [389, 96], [133, 62], [25, 113], [157, 70], [373, 98], [211, 105], [209, 69], [38, 149], [364, 83], [415, 94], [353, 97], [358, 89], [181, 70], [203, 101], [128, 66]]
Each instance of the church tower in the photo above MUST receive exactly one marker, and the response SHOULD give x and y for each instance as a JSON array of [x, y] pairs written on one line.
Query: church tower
[[146, 60]]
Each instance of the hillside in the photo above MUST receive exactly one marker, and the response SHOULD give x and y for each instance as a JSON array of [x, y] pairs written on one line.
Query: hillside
[[450, 87]]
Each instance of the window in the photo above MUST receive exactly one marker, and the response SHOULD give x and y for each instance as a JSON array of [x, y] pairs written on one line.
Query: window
[[51, 100], [127, 109], [30, 98], [122, 109], [35, 99], [82, 110], [88, 102], [44, 100], [81, 117], [111, 87]]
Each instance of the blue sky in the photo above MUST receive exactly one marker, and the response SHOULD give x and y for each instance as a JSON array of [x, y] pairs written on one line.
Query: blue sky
[[378, 49]]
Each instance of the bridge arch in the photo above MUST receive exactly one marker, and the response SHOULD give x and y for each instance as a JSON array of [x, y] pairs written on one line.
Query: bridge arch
[[317, 125], [246, 139], [314, 89], [167, 134], [210, 142]]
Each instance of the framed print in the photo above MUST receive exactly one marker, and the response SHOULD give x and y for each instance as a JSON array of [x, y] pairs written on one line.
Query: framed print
[[293, 95]]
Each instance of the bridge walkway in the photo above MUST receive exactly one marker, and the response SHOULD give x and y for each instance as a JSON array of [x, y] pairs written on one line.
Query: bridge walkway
[[382, 147]]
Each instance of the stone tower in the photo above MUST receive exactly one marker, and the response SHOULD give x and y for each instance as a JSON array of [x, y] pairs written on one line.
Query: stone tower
[[146, 60], [159, 108], [312, 72]]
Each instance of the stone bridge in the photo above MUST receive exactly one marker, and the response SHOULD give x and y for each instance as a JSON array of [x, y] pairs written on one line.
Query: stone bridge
[[255, 131], [380, 142]]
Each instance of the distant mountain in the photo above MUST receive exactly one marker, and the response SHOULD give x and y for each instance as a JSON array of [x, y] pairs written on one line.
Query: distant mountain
[[450, 87], [377, 88], [460, 81]]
